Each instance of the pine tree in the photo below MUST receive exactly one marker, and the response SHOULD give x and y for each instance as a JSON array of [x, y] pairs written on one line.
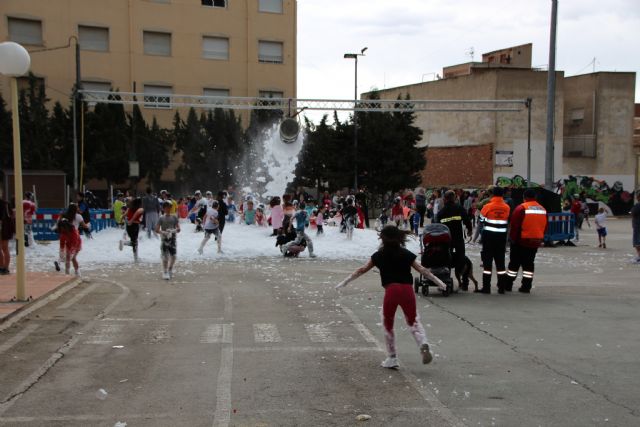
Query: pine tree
[[34, 119], [6, 137], [61, 139]]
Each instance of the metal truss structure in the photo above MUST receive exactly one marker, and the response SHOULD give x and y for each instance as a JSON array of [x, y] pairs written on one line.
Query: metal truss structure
[[166, 101]]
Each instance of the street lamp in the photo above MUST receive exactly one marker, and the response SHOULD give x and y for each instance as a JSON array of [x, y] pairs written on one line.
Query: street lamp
[[355, 116], [15, 61]]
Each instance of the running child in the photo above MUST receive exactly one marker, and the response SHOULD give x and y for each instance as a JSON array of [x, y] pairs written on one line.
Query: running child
[[68, 226], [397, 212], [249, 214], [133, 217], [211, 226], [320, 220], [395, 262], [601, 227], [168, 226], [350, 217]]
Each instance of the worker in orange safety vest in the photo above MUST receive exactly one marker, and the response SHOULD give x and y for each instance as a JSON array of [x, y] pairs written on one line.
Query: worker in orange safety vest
[[528, 225], [495, 217]]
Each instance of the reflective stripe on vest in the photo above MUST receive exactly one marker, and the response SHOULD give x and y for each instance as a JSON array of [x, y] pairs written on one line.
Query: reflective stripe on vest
[[451, 218], [494, 229], [534, 222]]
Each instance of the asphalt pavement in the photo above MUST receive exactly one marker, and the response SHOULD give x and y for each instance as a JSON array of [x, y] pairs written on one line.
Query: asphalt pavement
[[270, 342]]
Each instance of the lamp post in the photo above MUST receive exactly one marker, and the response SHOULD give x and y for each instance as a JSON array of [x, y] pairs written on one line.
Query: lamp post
[[355, 116], [15, 61]]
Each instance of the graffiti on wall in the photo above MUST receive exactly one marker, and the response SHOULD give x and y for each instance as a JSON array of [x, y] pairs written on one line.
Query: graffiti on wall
[[619, 200], [516, 181]]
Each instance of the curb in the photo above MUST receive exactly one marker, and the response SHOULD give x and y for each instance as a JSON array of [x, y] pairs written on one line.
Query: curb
[[11, 318]]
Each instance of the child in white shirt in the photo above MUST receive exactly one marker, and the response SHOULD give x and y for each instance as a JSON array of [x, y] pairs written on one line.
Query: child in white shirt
[[601, 227]]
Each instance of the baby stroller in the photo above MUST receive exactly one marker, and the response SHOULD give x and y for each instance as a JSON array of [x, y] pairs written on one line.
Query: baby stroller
[[434, 244]]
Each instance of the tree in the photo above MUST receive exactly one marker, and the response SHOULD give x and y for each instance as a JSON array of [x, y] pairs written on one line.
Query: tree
[[61, 139], [107, 144], [34, 121], [195, 149], [387, 150], [6, 137]]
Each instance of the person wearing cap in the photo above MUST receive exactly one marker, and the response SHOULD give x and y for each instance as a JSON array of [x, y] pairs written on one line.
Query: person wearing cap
[[495, 219], [528, 225], [455, 217]]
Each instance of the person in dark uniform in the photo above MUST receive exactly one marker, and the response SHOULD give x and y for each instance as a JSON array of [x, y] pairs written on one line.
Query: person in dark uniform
[[223, 210], [454, 216], [495, 219], [528, 224]]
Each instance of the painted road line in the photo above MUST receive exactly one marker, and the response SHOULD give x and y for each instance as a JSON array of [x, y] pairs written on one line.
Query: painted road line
[[222, 416], [217, 333], [366, 333], [18, 337], [156, 319], [425, 393], [266, 332], [78, 297], [160, 334], [319, 332], [104, 333]]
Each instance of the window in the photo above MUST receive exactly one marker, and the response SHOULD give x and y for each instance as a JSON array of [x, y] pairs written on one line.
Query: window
[[25, 31], [273, 6], [215, 92], [214, 3], [215, 47], [271, 94], [270, 52], [93, 38], [157, 43], [577, 115], [156, 96]]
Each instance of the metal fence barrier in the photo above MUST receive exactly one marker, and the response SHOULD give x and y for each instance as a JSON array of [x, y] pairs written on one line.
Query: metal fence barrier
[[560, 227], [45, 219]]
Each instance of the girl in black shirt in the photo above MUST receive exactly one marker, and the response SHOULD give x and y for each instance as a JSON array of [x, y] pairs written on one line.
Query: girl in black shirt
[[394, 262]]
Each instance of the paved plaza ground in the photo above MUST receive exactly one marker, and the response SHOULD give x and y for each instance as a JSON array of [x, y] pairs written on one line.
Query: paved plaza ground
[[269, 342]]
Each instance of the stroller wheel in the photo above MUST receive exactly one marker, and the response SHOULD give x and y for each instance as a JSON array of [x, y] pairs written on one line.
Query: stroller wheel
[[425, 289], [416, 284]]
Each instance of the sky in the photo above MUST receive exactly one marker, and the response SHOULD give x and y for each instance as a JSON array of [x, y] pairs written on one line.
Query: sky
[[410, 41]]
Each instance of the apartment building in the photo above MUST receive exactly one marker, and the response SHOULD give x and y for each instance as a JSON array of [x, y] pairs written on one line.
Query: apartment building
[[159, 47], [593, 123]]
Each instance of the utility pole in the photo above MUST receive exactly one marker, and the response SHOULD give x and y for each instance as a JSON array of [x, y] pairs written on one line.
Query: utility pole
[[76, 100], [355, 116], [551, 100]]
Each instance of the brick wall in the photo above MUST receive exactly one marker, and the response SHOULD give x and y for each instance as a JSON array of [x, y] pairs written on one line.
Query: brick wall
[[466, 166]]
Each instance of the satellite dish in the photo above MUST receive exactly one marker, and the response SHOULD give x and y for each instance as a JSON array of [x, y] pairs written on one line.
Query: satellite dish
[[289, 130]]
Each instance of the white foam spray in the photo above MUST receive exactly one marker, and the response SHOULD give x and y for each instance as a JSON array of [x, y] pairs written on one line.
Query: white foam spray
[[279, 162]]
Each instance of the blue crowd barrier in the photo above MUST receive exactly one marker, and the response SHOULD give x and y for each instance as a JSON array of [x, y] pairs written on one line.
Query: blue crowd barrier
[[45, 219], [560, 227]]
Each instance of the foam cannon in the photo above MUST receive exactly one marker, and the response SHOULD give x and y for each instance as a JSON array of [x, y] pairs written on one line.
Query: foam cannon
[[289, 130]]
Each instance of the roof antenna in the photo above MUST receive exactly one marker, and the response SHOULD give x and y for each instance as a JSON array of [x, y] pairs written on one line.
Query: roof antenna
[[471, 52]]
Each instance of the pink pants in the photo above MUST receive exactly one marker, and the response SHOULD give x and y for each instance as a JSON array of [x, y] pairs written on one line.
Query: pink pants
[[399, 294]]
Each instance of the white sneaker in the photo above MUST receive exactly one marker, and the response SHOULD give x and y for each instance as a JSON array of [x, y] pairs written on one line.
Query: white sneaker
[[312, 255], [390, 363], [120, 244], [427, 357], [200, 251], [165, 275], [170, 274]]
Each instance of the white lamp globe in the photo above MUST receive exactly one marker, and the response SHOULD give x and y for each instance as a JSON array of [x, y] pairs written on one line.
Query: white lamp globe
[[14, 59]]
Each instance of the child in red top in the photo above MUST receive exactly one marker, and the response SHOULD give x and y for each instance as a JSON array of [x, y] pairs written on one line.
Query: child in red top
[[133, 217], [395, 262]]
